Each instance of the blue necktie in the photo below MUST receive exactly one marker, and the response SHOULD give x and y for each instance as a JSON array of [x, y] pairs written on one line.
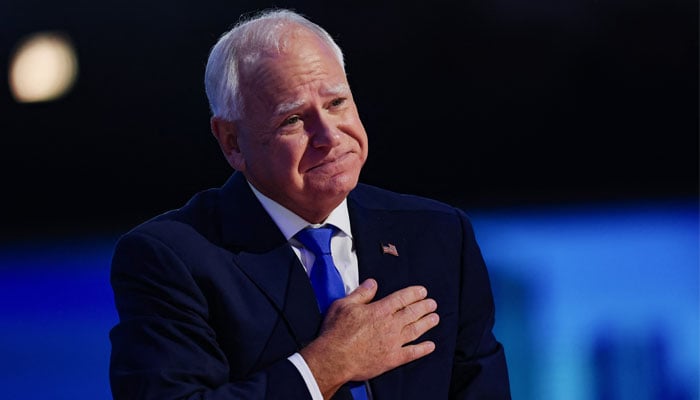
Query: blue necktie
[[326, 280]]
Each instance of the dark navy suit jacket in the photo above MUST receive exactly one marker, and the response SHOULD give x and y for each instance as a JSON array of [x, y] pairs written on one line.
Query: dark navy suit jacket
[[212, 300]]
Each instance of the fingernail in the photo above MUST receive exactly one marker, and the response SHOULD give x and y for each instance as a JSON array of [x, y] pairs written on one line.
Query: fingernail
[[368, 283]]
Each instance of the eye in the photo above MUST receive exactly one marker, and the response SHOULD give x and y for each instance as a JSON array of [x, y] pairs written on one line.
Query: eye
[[338, 102], [291, 120]]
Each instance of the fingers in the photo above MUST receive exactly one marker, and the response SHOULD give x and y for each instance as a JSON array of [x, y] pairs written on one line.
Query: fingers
[[415, 351], [416, 329], [415, 311], [403, 298], [397, 301], [364, 293]]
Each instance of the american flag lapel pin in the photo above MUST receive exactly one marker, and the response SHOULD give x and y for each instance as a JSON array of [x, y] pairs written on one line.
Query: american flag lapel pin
[[388, 248]]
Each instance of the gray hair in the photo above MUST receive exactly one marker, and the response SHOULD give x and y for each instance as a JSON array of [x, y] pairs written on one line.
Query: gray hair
[[250, 39]]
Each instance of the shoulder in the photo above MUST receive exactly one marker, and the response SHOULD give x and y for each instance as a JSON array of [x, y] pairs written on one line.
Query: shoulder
[[199, 217], [413, 209], [382, 199]]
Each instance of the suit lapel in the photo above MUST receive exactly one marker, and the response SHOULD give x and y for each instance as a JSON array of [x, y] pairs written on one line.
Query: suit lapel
[[263, 254], [283, 281]]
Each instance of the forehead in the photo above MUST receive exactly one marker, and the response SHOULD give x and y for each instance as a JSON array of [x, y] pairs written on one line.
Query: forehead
[[305, 61]]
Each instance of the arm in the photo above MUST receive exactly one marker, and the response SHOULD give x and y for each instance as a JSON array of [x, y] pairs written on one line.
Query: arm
[[164, 346], [479, 370]]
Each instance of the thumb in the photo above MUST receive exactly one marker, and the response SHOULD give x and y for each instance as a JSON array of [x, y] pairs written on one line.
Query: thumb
[[364, 293]]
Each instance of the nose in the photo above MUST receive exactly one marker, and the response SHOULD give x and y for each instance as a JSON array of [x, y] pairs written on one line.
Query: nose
[[324, 132]]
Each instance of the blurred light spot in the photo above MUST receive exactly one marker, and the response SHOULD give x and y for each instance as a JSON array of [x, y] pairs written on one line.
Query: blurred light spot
[[43, 67]]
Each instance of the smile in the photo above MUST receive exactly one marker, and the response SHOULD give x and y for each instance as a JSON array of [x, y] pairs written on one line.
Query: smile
[[335, 163]]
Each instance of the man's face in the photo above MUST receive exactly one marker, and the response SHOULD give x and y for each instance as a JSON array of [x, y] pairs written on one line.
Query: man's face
[[301, 140]]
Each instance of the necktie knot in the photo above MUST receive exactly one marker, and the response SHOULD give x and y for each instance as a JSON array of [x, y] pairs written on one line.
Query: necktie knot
[[317, 240]]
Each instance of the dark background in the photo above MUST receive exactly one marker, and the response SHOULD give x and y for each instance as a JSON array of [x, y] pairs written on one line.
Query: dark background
[[569, 129], [479, 103]]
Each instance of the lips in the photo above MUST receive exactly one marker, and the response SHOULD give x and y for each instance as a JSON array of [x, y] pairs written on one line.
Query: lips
[[333, 165]]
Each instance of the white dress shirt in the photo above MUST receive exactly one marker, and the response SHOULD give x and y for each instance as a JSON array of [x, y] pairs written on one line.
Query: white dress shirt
[[342, 249]]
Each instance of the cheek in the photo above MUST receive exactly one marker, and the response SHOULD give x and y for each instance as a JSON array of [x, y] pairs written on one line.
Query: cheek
[[357, 129], [361, 138], [299, 143], [297, 149], [288, 155]]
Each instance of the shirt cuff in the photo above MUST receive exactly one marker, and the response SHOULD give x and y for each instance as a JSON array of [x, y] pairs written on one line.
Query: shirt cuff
[[306, 374]]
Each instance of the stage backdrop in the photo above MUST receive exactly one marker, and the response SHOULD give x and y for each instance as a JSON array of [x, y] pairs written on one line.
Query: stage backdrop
[[567, 130]]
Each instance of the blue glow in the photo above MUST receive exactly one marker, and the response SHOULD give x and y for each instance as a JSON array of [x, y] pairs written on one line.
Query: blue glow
[[56, 310], [592, 303], [624, 273]]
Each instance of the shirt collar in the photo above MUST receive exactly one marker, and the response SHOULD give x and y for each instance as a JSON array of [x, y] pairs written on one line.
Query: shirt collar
[[290, 223]]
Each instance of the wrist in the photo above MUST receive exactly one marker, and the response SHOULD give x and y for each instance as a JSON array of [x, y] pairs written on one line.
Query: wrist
[[329, 373]]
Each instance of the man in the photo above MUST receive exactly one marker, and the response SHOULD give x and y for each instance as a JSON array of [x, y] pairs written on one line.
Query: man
[[215, 300]]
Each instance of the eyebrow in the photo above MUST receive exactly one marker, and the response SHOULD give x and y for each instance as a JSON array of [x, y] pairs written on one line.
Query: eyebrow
[[287, 107], [340, 88], [284, 108]]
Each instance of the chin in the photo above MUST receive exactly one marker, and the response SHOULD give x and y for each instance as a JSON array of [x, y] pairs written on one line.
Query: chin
[[335, 188], [344, 183]]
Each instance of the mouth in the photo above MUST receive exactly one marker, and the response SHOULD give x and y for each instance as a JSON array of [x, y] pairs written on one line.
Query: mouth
[[332, 163]]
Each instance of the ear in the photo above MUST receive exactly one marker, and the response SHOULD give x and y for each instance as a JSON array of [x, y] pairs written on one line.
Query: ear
[[226, 133]]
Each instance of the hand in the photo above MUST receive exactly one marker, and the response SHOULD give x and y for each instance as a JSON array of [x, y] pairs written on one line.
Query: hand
[[360, 340]]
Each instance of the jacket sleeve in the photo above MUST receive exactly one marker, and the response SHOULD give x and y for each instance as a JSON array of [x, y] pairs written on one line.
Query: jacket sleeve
[[479, 370], [163, 346]]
